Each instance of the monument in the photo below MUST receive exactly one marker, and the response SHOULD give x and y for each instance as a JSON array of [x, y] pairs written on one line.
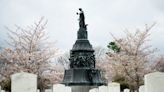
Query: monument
[[82, 74]]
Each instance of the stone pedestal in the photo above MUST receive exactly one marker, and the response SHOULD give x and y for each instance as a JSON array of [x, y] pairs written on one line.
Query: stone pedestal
[[82, 77], [80, 88]]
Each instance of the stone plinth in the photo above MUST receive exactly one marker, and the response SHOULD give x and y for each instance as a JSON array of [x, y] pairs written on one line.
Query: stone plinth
[[80, 88]]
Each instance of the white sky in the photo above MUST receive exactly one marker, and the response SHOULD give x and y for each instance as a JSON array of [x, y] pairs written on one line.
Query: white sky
[[103, 16]]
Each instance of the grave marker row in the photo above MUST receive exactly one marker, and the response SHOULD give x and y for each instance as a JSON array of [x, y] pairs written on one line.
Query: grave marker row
[[25, 82]]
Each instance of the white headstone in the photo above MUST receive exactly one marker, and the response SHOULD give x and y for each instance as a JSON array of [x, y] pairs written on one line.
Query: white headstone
[[126, 90], [68, 89], [94, 90], [154, 82], [2, 91], [48, 90], [103, 89], [113, 87], [61, 88], [38, 90], [142, 88], [23, 82]]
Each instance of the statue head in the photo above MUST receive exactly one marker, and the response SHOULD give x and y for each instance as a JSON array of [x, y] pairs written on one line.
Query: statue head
[[80, 9]]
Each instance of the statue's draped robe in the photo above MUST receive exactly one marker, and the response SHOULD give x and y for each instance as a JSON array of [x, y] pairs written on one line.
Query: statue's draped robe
[[82, 20]]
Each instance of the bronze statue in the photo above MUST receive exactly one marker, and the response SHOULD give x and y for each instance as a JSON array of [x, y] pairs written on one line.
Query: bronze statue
[[81, 18]]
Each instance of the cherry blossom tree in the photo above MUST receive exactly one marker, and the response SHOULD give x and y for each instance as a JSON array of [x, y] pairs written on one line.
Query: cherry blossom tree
[[160, 64], [131, 56], [30, 52], [63, 60]]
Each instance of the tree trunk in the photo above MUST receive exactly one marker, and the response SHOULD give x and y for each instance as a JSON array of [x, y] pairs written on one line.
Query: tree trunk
[[137, 84], [41, 85]]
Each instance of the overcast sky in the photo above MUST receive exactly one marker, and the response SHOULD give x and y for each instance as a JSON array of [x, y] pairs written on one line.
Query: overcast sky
[[103, 16]]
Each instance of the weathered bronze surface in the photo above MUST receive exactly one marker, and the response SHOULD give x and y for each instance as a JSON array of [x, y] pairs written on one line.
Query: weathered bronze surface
[[82, 60]]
